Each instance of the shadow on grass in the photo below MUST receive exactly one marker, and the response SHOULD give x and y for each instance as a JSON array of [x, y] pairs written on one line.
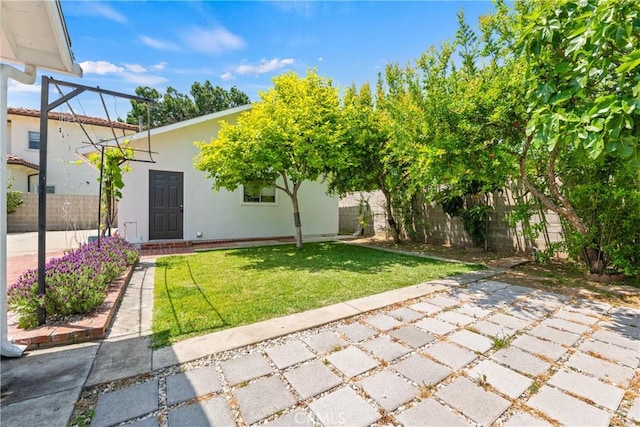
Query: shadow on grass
[[326, 256], [163, 338]]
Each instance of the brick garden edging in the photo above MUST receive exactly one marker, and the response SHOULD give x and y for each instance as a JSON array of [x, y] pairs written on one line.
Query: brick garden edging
[[90, 328]]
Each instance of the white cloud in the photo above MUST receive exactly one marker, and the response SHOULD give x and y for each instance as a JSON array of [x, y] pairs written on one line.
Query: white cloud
[[143, 79], [135, 68], [264, 66], [100, 9], [131, 73], [17, 87], [227, 76], [212, 41], [159, 44], [100, 67], [320, 59], [159, 66]]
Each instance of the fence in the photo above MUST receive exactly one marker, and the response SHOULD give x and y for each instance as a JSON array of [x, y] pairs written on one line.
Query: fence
[[443, 229], [64, 212]]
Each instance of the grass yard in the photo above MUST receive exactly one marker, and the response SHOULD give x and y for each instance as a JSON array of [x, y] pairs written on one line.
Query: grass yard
[[215, 290]]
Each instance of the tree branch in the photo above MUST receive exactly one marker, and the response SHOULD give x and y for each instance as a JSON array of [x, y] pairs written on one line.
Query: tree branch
[[551, 177], [566, 211], [286, 184], [547, 202]]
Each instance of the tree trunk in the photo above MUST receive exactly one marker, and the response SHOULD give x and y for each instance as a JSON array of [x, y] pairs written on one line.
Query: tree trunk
[[395, 228], [594, 258], [293, 195], [296, 221], [106, 209], [418, 217]]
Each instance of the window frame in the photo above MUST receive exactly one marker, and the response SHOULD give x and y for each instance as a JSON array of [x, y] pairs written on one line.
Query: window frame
[[244, 202], [31, 141]]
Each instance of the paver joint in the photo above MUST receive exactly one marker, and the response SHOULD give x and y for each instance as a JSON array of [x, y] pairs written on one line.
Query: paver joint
[[430, 361]]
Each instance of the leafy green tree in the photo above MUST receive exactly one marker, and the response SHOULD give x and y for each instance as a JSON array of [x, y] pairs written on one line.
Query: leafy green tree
[[177, 107], [452, 128], [140, 110], [290, 136], [584, 64], [583, 81], [210, 99], [547, 93], [173, 106], [403, 107], [367, 138], [434, 131]]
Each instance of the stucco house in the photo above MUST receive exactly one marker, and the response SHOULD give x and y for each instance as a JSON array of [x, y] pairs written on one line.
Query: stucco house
[[67, 172], [166, 199]]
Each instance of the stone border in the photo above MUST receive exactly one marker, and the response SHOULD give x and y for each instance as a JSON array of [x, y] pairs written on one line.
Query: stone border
[[91, 327]]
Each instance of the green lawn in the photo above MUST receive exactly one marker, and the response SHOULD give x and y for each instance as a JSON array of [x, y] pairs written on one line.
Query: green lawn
[[215, 290]]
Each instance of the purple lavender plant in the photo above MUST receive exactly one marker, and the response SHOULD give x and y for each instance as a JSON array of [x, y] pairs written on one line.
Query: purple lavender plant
[[75, 283]]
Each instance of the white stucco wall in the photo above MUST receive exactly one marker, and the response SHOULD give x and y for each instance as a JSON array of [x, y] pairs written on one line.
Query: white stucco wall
[[19, 176], [218, 215], [67, 171]]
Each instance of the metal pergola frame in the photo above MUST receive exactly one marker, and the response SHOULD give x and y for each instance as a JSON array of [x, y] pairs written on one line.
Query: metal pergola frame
[[45, 108]]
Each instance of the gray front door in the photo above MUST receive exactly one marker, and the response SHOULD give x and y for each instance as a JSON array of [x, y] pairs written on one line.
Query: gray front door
[[166, 200]]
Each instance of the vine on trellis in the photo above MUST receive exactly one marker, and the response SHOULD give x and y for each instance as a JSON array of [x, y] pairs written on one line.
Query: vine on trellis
[[112, 164]]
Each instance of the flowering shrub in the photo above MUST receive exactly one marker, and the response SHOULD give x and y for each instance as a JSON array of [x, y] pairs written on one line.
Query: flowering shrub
[[75, 283]]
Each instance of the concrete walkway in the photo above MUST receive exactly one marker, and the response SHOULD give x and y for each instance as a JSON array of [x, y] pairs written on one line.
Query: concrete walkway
[[460, 351]]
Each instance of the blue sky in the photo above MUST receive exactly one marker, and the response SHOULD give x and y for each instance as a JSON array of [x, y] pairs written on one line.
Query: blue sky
[[124, 44]]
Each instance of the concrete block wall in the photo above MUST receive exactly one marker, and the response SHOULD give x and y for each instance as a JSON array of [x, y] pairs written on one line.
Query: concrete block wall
[[442, 229], [504, 237], [64, 212], [349, 210]]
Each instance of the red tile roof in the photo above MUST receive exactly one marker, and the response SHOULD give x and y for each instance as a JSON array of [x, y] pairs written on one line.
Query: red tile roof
[[54, 115], [15, 160]]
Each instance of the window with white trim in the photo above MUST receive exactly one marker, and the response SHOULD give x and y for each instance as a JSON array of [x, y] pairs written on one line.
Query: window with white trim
[[34, 140], [254, 194]]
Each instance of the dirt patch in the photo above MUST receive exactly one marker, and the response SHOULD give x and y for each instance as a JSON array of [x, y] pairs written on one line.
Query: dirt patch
[[564, 277]]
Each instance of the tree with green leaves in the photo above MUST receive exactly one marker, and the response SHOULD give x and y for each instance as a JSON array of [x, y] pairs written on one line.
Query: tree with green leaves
[[366, 146], [433, 131], [174, 106], [583, 84], [290, 136], [402, 107], [151, 114], [210, 99], [447, 130]]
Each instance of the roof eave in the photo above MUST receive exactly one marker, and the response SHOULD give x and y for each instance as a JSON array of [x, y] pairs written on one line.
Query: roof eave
[[23, 164], [62, 39], [34, 33]]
